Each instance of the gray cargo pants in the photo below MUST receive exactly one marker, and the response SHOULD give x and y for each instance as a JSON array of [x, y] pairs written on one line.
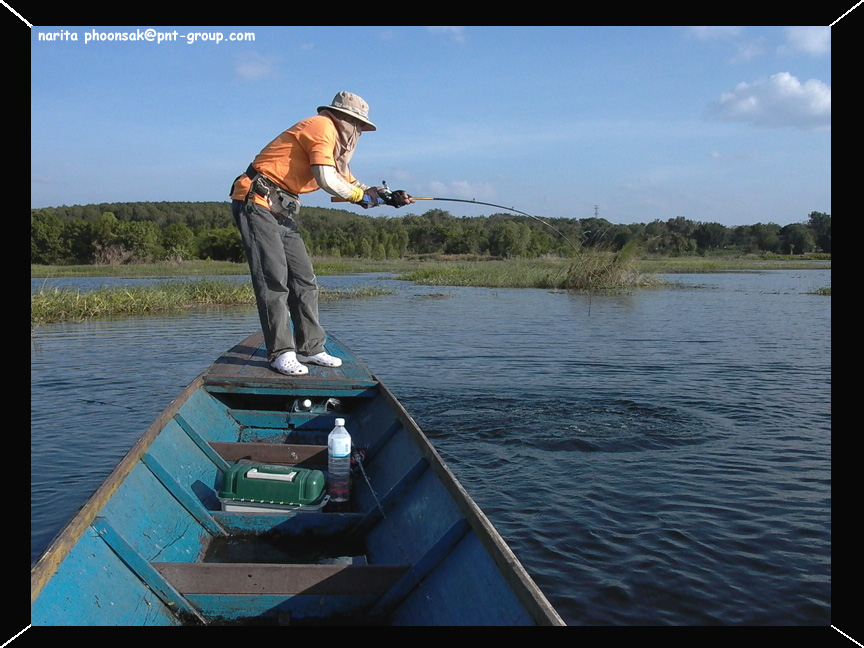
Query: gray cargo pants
[[286, 289]]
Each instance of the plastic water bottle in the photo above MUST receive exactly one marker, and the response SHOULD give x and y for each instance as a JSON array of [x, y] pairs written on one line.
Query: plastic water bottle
[[339, 462]]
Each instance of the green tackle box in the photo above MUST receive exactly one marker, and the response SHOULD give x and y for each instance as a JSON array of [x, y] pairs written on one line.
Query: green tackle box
[[259, 487]]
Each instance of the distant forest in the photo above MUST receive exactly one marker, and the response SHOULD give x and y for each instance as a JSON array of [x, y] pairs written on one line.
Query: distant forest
[[112, 233]]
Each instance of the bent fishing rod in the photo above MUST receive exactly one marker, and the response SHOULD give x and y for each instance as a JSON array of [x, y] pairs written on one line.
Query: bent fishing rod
[[480, 202]]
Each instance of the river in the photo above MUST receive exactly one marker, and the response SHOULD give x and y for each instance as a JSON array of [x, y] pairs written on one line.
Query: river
[[661, 457]]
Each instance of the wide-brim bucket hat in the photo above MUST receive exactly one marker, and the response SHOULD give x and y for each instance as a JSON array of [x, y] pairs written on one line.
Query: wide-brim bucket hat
[[350, 104]]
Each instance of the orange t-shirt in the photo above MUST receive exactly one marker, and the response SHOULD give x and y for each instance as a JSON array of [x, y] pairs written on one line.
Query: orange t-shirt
[[288, 159]]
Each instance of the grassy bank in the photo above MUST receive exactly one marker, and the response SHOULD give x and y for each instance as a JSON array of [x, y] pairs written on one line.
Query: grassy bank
[[340, 266], [706, 264], [591, 271], [323, 266], [55, 305]]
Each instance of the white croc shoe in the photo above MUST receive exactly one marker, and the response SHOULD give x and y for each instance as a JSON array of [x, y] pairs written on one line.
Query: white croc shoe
[[287, 364], [324, 359]]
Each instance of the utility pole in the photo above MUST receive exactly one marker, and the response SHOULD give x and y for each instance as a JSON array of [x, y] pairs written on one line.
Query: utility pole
[[595, 210]]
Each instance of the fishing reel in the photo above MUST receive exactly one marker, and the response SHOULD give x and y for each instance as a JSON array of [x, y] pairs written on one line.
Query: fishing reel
[[395, 199]]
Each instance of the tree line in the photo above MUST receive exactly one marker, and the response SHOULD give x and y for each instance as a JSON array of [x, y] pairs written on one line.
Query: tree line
[[113, 233]]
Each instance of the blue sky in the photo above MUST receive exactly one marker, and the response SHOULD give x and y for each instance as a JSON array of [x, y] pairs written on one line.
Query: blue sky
[[715, 124]]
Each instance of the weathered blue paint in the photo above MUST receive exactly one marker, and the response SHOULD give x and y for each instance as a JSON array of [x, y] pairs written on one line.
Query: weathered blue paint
[[138, 553]]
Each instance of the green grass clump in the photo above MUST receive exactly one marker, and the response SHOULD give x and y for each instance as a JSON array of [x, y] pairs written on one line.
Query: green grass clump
[[606, 271], [591, 270], [511, 273]]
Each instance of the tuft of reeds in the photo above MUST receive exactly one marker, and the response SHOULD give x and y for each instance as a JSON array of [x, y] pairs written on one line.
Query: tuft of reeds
[[599, 270]]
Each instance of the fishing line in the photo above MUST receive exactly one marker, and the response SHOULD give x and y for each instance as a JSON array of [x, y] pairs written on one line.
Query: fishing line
[[488, 204], [516, 211], [512, 209]]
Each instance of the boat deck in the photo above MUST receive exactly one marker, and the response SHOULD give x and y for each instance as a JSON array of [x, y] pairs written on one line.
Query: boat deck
[[245, 366]]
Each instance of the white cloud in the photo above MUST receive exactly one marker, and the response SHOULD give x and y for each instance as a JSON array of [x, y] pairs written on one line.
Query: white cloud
[[745, 49], [815, 41], [253, 67], [781, 100], [455, 33]]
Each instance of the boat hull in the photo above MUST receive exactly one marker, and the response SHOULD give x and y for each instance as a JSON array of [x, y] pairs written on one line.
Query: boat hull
[[153, 545]]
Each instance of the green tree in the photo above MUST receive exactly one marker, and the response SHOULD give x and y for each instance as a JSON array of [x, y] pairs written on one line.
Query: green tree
[[681, 225], [337, 242], [221, 244], [820, 223], [542, 242], [619, 236], [509, 240], [46, 237], [104, 229], [397, 237], [797, 238], [596, 232], [711, 236], [178, 240], [365, 249], [468, 238], [740, 237], [79, 241], [766, 236], [140, 238]]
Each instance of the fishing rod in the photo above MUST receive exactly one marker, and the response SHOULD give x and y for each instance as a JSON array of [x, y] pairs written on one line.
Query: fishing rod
[[478, 202]]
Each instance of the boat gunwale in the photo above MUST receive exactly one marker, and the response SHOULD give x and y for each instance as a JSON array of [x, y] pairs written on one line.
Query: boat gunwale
[[68, 537], [511, 568]]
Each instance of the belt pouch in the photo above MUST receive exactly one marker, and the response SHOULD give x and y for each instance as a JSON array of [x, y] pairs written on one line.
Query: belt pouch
[[284, 204]]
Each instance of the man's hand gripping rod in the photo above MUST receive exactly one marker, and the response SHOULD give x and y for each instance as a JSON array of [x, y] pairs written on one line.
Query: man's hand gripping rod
[[385, 197]]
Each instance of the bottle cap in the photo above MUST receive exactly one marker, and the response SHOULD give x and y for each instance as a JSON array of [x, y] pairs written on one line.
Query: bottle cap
[[340, 422]]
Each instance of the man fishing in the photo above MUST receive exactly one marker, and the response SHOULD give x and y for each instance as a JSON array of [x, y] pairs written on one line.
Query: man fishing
[[265, 200]]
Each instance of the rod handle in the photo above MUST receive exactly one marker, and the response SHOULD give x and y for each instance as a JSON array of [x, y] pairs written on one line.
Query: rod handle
[[336, 199]]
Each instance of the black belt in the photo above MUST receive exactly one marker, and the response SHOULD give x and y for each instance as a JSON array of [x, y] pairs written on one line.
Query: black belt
[[267, 182]]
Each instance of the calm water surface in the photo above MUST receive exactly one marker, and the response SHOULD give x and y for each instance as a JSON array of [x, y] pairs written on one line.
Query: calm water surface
[[658, 458]]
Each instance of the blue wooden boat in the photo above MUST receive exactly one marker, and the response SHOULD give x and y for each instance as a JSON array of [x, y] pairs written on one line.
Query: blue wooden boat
[[157, 545]]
